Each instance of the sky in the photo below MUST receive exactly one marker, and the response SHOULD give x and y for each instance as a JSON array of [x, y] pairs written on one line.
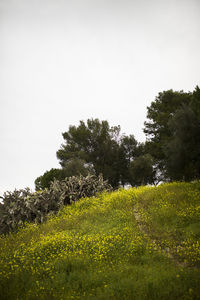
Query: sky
[[63, 61]]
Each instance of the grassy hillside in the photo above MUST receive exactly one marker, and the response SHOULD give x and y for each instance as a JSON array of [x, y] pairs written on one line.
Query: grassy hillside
[[130, 244]]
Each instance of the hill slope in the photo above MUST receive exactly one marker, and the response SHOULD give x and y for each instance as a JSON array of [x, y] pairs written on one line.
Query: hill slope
[[130, 244]]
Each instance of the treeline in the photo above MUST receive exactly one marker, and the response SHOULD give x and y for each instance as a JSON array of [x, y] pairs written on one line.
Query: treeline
[[171, 151]]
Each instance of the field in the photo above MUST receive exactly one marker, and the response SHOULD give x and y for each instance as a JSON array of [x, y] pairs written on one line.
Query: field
[[141, 243]]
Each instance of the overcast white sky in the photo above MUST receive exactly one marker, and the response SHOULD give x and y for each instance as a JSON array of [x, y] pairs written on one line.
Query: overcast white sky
[[63, 61]]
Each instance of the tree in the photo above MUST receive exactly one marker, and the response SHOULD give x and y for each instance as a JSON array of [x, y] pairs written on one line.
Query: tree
[[97, 144], [129, 150], [157, 130], [44, 181], [73, 167], [141, 170], [77, 167], [195, 102], [183, 149], [101, 146]]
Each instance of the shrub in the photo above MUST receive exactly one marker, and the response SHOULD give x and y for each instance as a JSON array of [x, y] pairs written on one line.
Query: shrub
[[23, 206], [73, 188]]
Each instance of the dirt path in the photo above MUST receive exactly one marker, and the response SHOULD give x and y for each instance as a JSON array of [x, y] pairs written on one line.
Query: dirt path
[[166, 252]]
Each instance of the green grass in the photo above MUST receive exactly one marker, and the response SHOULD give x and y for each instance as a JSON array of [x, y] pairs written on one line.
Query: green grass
[[96, 249]]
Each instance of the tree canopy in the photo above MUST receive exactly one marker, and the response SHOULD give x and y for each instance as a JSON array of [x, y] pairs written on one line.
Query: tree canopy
[[172, 132], [183, 149], [101, 146], [44, 180], [142, 171]]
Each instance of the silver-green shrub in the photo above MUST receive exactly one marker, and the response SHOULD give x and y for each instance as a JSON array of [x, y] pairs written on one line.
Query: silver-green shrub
[[25, 206], [73, 188]]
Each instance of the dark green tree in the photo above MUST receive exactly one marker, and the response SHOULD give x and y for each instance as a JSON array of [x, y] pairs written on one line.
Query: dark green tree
[[183, 149], [77, 167], [195, 102], [73, 167], [129, 150], [157, 130], [141, 171], [97, 144], [44, 180], [101, 146]]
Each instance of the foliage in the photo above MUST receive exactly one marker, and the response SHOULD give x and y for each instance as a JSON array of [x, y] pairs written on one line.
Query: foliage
[[72, 167], [101, 146], [43, 182], [195, 102], [73, 188], [77, 167], [172, 131], [129, 149], [141, 171], [95, 250], [95, 143], [157, 130], [24, 206], [183, 149]]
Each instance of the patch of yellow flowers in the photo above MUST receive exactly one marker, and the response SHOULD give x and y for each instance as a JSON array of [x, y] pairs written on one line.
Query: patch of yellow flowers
[[171, 215]]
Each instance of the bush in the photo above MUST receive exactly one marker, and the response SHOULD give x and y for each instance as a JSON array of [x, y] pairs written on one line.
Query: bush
[[23, 206], [73, 188]]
